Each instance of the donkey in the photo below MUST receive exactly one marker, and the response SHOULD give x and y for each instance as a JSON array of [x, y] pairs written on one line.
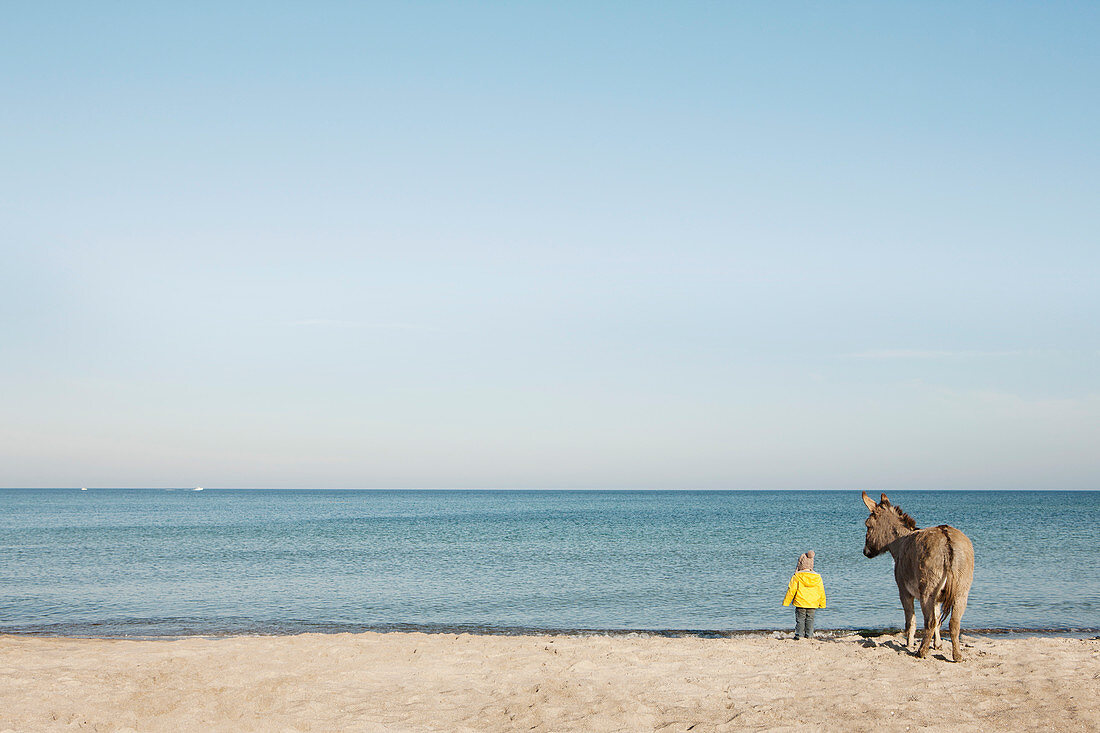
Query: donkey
[[935, 565]]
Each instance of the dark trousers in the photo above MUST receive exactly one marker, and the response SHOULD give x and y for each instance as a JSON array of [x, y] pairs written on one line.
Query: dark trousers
[[804, 623]]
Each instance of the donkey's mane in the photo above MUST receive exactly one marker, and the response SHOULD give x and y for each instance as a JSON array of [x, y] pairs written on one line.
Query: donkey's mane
[[907, 520]]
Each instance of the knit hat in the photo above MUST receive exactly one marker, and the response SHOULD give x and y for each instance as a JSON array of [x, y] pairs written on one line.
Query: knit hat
[[805, 561]]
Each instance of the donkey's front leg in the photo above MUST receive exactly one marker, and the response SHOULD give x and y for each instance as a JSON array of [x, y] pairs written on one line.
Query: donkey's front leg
[[910, 620], [937, 621]]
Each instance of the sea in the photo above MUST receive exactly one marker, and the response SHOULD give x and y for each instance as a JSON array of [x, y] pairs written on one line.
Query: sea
[[169, 563]]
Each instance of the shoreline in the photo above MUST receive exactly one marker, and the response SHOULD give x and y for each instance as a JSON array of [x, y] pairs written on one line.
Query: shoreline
[[468, 682], [276, 630]]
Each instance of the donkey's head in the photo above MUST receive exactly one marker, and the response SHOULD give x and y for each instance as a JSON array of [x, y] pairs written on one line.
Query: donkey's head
[[886, 523]]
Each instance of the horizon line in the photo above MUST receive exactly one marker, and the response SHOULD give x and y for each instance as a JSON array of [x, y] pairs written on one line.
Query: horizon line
[[490, 488]]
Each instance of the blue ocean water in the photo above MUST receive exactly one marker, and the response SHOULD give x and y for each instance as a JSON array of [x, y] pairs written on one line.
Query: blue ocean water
[[156, 562]]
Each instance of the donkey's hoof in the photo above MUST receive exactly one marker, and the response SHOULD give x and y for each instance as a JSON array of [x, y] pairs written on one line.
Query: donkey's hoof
[[922, 652]]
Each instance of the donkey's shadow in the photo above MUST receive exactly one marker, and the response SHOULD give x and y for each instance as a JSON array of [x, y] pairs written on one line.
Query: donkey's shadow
[[903, 649], [896, 646]]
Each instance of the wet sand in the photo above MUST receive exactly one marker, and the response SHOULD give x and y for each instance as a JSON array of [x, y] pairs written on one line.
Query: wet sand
[[445, 682]]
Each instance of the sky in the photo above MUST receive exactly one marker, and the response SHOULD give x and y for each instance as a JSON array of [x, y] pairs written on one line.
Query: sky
[[527, 245]]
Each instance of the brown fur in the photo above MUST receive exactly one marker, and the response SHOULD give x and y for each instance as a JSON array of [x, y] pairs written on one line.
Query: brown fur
[[934, 565]]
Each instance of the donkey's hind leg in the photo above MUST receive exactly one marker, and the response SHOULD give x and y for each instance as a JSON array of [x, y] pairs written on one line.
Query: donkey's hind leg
[[910, 620], [957, 610], [937, 621], [927, 609], [929, 605]]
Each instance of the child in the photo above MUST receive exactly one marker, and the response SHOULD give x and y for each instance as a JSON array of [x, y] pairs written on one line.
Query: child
[[808, 593]]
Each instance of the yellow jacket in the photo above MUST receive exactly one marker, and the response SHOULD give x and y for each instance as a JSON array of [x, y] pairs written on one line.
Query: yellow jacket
[[807, 590]]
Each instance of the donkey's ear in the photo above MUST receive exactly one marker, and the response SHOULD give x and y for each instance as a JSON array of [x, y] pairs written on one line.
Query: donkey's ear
[[869, 502], [884, 500]]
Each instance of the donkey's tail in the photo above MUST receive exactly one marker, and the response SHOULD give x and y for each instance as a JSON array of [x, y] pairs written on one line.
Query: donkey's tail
[[959, 572], [950, 592]]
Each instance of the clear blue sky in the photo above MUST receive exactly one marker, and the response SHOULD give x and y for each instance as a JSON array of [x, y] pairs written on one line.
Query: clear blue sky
[[713, 245]]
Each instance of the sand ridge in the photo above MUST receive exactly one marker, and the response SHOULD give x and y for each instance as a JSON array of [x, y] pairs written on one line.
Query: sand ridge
[[466, 682]]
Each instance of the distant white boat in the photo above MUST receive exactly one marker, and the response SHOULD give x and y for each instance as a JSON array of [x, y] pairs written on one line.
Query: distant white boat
[[83, 489], [197, 488]]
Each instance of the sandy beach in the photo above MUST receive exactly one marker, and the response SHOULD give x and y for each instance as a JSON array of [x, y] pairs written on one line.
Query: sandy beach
[[413, 682]]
